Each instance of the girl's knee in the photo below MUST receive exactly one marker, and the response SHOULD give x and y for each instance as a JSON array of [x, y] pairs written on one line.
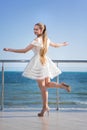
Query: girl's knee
[[47, 84]]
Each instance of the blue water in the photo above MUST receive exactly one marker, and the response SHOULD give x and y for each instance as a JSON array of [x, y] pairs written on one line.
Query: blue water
[[24, 93]]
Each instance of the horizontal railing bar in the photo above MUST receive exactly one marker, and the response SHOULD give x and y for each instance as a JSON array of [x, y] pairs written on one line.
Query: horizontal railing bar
[[70, 61], [59, 61]]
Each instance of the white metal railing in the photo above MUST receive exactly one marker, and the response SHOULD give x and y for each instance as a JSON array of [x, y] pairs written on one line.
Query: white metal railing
[[25, 61]]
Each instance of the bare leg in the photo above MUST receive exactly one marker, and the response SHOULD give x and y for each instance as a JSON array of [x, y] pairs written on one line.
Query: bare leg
[[50, 84], [43, 85], [44, 94]]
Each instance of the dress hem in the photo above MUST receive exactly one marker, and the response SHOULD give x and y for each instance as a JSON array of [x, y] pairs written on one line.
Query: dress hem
[[31, 77]]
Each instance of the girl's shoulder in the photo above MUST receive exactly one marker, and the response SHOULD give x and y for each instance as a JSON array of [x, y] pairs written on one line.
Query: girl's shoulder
[[40, 39], [36, 39], [36, 42]]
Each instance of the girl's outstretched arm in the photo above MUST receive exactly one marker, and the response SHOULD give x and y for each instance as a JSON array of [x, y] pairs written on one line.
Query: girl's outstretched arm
[[28, 48], [58, 44]]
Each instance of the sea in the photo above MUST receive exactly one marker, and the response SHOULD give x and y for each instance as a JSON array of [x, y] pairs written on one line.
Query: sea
[[21, 92]]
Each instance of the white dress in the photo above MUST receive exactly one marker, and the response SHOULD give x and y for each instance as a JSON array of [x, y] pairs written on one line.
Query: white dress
[[35, 69]]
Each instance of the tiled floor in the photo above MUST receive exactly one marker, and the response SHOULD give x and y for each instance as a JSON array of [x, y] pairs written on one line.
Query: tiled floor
[[25, 119]]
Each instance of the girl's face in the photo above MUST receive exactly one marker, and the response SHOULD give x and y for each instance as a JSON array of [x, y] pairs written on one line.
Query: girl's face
[[37, 30]]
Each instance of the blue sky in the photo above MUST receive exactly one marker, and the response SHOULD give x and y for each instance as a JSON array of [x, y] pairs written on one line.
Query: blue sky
[[66, 20]]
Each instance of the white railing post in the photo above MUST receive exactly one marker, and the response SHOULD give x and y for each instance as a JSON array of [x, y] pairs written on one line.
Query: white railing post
[[2, 91], [57, 94]]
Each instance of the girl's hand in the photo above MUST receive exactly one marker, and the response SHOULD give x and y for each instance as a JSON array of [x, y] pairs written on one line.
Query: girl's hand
[[6, 49], [65, 43]]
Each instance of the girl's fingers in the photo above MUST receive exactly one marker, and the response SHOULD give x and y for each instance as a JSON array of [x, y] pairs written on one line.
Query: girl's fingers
[[66, 43], [5, 49]]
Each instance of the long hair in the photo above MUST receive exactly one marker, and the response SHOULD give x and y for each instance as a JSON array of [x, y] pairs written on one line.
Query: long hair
[[43, 50]]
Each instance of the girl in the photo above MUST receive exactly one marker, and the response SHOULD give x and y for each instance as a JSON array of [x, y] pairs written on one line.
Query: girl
[[41, 68]]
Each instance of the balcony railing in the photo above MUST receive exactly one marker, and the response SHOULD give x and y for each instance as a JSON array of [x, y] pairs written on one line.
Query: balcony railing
[[25, 61]]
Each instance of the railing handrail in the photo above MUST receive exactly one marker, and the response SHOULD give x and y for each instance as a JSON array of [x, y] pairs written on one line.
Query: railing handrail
[[59, 61]]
